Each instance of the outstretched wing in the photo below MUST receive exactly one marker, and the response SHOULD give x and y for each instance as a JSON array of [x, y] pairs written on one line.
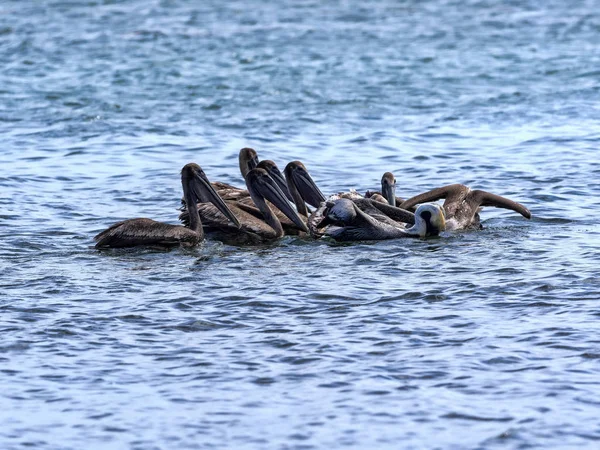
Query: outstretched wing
[[482, 198], [451, 193]]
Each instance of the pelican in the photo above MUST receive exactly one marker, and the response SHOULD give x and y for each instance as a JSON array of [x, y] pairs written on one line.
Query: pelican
[[258, 223], [388, 191], [462, 205], [343, 220], [134, 232], [248, 160], [304, 190], [271, 168], [302, 187]]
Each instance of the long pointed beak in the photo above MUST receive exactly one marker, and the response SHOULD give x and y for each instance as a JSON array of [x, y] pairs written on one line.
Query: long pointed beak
[[441, 219], [252, 163], [271, 192], [275, 173], [309, 191], [389, 192], [206, 193]]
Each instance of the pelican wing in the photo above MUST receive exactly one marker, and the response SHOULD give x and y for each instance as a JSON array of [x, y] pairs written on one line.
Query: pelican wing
[[252, 231], [134, 232], [483, 198], [450, 193]]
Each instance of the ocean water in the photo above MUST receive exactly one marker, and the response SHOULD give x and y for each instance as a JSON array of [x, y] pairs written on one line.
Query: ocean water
[[485, 339]]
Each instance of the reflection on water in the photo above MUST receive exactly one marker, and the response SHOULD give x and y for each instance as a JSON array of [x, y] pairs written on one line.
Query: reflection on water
[[475, 339]]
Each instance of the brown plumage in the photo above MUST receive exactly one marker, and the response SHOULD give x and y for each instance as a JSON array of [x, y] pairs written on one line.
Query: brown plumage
[[302, 187], [462, 205], [239, 199], [344, 220], [388, 190], [261, 188], [134, 232]]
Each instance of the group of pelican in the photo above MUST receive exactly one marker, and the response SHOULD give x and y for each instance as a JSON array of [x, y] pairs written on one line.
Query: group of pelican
[[263, 211]]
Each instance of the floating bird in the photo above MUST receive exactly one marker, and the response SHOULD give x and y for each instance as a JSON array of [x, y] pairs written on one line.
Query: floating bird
[[462, 205], [271, 168], [302, 187], [134, 232], [258, 223], [343, 220], [248, 160], [388, 188], [388, 191]]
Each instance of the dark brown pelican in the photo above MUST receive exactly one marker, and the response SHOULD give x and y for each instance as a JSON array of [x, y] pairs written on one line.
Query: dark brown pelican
[[304, 190], [388, 188], [134, 232], [302, 187], [271, 168], [258, 223], [343, 220], [380, 211], [388, 191], [462, 205], [248, 160]]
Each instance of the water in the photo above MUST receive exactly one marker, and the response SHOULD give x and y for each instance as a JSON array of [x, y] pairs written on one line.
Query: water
[[474, 340]]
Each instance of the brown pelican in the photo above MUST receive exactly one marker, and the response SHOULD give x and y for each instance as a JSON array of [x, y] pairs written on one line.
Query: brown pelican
[[304, 190], [248, 160], [271, 168], [258, 223], [462, 205], [134, 232], [343, 220], [302, 187], [388, 191], [380, 211]]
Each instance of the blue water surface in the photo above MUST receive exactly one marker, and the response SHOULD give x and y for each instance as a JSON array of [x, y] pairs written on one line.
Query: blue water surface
[[484, 339]]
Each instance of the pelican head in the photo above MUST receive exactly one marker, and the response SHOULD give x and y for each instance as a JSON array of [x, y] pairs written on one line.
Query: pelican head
[[388, 188], [197, 188], [430, 220], [261, 186], [296, 173], [248, 160], [339, 212], [275, 173]]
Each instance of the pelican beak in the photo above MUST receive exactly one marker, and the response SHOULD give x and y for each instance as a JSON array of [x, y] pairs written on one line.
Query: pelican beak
[[270, 191], [309, 191], [202, 189], [439, 220], [275, 173], [253, 162], [389, 192]]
